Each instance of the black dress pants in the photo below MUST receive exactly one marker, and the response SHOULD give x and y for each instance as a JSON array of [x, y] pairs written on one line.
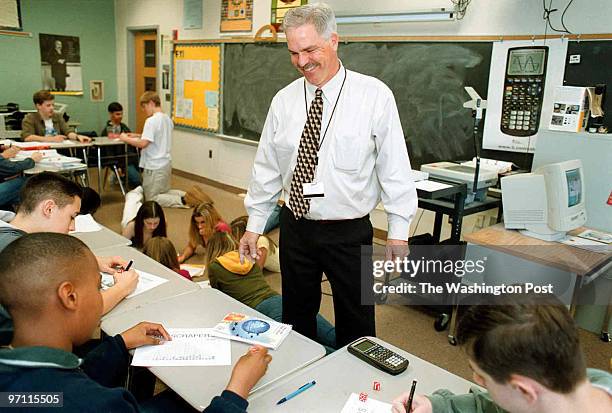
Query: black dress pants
[[310, 248]]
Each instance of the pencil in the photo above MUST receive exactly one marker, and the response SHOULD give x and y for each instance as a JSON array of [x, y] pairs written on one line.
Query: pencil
[[409, 403]]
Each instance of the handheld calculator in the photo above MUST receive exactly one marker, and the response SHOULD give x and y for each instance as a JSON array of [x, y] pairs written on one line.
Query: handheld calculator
[[378, 356], [523, 90]]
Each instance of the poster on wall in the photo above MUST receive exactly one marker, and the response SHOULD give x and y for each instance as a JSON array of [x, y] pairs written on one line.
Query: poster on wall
[[236, 16], [494, 137], [60, 58], [279, 8]]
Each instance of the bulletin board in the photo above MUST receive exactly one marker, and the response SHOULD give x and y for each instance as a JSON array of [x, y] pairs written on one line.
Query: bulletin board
[[196, 75]]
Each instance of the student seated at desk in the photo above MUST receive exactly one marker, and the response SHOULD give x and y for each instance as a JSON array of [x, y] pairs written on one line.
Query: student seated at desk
[[246, 283], [150, 222], [205, 220], [526, 352], [49, 203], [162, 250], [59, 308], [45, 125], [11, 180], [113, 128]]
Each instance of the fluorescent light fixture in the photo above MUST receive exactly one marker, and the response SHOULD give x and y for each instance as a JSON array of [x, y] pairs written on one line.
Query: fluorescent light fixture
[[415, 16]]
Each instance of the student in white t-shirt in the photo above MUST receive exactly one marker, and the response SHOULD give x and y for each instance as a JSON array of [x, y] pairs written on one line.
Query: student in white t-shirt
[[155, 143]]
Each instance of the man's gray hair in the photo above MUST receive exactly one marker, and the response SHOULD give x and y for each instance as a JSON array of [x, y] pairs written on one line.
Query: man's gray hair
[[320, 15]]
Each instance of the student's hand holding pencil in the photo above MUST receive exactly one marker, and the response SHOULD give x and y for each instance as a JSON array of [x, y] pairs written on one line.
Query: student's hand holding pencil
[[145, 334], [126, 280], [109, 265], [420, 404]]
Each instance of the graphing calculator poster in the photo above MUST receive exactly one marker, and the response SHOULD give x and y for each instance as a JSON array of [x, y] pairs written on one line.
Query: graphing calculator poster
[[493, 137]]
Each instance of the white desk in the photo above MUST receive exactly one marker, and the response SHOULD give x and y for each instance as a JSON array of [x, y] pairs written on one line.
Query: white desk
[[205, 308], [104, 141], [176, 284], [104, 238], [340, 374]]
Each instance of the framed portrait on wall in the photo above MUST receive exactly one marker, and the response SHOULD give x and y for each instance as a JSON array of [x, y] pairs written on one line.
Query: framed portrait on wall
[[96, 90], [60, 58]]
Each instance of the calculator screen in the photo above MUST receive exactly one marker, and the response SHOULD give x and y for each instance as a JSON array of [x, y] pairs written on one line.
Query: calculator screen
[[365, 346]]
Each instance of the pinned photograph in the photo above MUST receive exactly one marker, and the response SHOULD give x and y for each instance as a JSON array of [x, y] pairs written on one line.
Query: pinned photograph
[[96, 90], [60, 58]]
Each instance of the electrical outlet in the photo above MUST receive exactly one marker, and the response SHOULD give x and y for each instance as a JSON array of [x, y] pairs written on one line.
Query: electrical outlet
[[574, 59], [210, 154]]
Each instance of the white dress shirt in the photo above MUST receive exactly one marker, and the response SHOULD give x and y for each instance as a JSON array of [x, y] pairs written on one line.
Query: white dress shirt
[[362, 158]]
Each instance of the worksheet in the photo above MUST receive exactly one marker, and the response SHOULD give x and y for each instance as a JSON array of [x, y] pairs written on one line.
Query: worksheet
[[146, 282], [362, 403], [85, 223], [188, 347]]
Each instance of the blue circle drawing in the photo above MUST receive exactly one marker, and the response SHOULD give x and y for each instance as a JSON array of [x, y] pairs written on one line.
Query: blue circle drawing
[[249, 328]]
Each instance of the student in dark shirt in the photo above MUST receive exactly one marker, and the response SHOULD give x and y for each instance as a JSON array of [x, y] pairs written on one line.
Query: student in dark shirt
[[11, 180], [113, 128], [58, 308]]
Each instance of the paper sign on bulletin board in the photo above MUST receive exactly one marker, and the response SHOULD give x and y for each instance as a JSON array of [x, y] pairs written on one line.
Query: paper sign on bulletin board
[[197, 84]]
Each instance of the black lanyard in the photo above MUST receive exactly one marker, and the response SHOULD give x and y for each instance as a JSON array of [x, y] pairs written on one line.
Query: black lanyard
[[333, 110]]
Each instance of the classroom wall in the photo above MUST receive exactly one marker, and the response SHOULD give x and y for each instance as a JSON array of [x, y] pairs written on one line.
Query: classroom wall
[[93, 21], [231, 162]]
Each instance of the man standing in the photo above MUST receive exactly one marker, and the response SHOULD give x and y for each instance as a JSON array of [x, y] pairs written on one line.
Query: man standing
[[57, 59], [334, 144], [45, 125]]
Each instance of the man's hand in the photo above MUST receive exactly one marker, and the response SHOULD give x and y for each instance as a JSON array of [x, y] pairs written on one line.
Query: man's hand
[[126, 281], [36, 156], [83, 138], [108, 264], [420, 404], [248, 247], [396, 249], [124, 136], [56, 138], [248, 370], [145, 334]]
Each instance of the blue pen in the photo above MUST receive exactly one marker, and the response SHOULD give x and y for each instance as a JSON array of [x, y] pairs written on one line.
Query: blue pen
[[295, 393]]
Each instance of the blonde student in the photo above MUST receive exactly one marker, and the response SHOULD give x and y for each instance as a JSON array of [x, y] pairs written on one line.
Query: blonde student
[[162, 250], [245, 282], [204, 219], [155, 143]]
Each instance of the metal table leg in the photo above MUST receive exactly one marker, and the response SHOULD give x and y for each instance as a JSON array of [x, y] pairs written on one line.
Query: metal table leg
[[100, 170], [605, 334]]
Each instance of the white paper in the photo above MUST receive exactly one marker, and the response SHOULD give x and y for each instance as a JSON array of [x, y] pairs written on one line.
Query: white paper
[[86, 223], [188, 108], [431, 186], [180, 89], [493, 138], [598, 236], [193, 269], [179, 112], [354, 405], [202, 70], [587, 244], [213, 118], [146, 281], [188, 347]]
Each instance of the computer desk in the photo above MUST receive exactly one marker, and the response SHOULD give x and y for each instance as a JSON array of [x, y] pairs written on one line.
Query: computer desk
[[340, 374], [585, 265], [205, 308], [456, 210]]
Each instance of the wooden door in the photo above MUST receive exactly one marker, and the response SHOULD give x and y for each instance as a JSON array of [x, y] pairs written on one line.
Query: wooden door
[[145, 70]]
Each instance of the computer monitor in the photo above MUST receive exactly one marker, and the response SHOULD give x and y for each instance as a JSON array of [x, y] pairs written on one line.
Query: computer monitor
[[546, 203]]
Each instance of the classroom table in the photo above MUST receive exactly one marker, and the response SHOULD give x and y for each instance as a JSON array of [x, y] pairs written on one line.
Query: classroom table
[[340, 374], [104, 238], [105, 141], [205, 308], [176, 284]]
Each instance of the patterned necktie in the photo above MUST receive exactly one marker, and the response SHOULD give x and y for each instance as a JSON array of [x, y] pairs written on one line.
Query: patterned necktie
[[307, 157]]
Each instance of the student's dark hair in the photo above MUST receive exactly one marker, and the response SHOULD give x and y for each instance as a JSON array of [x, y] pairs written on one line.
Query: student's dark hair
[[149, 209], [90, 201], [533, 336], [115, 107], [48, 185], [42, 96], [34, 264]]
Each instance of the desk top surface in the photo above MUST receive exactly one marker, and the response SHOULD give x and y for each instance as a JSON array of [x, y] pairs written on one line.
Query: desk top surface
[[176, 284], [205, 308], [106, 141], [104, 238], [340, 374], [552, 254]]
